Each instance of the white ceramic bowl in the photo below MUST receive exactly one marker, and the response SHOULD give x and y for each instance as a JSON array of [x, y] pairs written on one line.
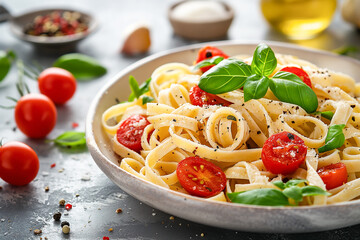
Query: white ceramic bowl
[[219, 214]]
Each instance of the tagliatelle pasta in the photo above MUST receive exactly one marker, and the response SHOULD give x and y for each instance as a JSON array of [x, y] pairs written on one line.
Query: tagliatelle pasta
[[232, 137]]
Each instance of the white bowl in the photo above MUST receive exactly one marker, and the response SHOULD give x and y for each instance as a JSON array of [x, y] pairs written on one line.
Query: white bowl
[[219, 214]]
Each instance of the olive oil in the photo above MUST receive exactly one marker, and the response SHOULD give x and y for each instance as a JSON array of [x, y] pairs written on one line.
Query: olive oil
[[299, 19]]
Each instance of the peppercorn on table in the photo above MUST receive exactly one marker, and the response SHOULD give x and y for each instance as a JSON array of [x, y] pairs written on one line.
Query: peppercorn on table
[[71, 198]]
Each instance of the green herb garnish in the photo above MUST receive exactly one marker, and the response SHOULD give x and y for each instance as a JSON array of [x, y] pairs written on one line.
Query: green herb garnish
[[137, 91], [70, 139], [294, 189], [231, 74], [81, 66], [335, 138], [208, 62], [327, 114], [6, 59]]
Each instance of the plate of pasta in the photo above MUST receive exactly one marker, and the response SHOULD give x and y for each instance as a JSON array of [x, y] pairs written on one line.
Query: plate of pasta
[[261, 137]]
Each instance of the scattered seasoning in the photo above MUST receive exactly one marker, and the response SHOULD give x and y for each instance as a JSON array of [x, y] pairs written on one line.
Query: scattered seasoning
[[119, 210], [106, 238], [53, 165], [77, 195], [74, 125], [1, 187], [110, 229], [61, 170], [68, 206], [37, 231], [57, 216], [66, 229], [171, 218], [202, 235], [46, 188], [64, 223], [62, 202]]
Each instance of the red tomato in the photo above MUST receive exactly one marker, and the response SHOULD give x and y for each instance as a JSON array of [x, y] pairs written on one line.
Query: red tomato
[[19, 163], [58, 84], [333, 175], [35, 115], [300, 73], [209, 52], [283, 153], [130, 132], [199, 97], [200, 177]]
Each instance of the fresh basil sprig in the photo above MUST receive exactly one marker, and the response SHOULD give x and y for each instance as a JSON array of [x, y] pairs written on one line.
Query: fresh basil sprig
[[335, 138], [6, 58], [294, 189], [231, 74], [137, 91], [327, 114], [208, 62], [71, 139], [81, 66]]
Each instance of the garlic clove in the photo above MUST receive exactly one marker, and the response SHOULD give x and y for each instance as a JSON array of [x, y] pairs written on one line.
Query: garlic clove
[[137, 40], [350, 11]]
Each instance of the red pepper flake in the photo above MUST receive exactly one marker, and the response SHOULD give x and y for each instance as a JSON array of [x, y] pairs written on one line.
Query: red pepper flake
[[68, 206], [106, 238], [75, 125], [53, 165]]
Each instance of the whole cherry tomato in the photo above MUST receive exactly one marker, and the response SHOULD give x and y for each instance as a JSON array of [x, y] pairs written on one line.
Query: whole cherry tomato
[[130, 132], [283, 153], [35, 115], [300, 73], [58, 84], [19, 163], [199, 97], [333, 175], [200, 177], [209, 52]]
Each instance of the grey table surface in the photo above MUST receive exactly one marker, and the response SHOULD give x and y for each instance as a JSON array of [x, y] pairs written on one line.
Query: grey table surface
[[23, 209]]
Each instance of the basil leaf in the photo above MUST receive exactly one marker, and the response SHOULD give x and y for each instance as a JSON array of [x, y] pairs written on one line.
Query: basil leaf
[[293, 192], [264, 61], [327, 114], [70, 139], [294, 182], [255, 87], [146, 99], [81, 66], [136, 90], [208, 62], [6, 59], [228, 75], [279, 184], [313, 191], [231, 117], [335, 138], [346, 50], [288, 87], [263, 197]]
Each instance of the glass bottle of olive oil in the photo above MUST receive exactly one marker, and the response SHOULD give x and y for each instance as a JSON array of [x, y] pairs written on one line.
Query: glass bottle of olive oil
[[299, 19]]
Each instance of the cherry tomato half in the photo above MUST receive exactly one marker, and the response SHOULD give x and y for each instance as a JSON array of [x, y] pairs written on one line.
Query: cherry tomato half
[[333, 175], [199, 97], [58, 84], [130, 132], [35, 115], [283, 153], [209, 52], [19, 163], [200, 177], [300, 73]]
